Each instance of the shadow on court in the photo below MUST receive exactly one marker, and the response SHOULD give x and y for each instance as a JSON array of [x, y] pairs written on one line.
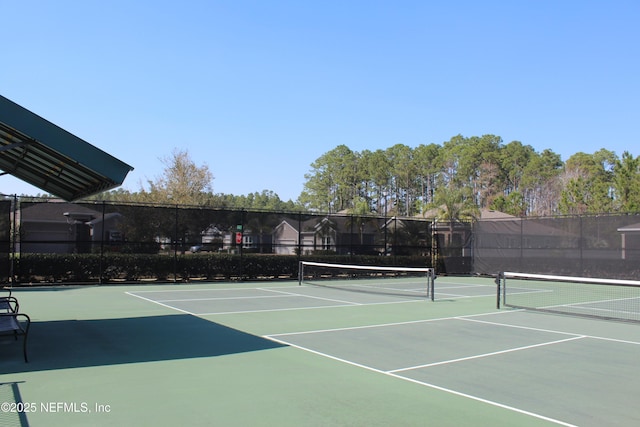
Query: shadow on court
[[10, 394], [83, 343]]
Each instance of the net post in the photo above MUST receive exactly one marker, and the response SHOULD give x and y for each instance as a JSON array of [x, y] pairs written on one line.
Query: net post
[[432, 284], [300, 272], [498, 283]]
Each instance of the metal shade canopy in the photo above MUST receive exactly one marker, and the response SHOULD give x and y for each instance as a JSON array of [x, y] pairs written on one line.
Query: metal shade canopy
[[52, 159]]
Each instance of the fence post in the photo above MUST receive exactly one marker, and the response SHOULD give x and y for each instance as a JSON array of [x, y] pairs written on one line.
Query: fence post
[[242, 225], [299, 235], [100, 263], [14, 235], [581, 243], [175, 247]]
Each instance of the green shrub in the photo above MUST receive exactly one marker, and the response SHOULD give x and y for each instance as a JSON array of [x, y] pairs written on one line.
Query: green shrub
[[138, 267]]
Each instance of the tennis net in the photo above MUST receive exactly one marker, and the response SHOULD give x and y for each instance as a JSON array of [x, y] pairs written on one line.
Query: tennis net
[[582, 296], [411, 282]]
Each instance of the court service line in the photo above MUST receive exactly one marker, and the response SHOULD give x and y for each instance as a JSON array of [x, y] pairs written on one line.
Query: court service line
[[310, 296], [142, 291], [381, 325], [529, 328], [446, 286], [225, 298], [270, 310], [417, 290], [230, 312], [283, 294], [441, 294], [433, 386], [553, 331], [480, 356], [267, 310], [159, 303]]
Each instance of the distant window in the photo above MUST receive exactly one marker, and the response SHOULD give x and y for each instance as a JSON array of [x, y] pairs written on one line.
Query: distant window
[[247, 241]]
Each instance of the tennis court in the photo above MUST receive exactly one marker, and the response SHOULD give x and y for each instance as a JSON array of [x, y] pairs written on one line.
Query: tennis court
[[345, 353]]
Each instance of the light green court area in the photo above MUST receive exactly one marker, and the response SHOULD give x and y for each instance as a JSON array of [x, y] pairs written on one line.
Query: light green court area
[[278, 354]]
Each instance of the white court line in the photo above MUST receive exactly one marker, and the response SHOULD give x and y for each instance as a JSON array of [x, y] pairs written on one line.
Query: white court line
[[433, 386], [462, 286], [225, 298], [587, 305], [142, 291], [383, 325], [286, 295], [553, 331], [392, 373], [440, 294], [515, 291], [340, 304], [310, 296], [480, 356], [159, 303], [268, 289], [416, 290], [270, 310]]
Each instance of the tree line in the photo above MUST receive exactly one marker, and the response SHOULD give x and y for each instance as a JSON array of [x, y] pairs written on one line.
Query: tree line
[[466, 174], [456, 179], [185, 183]]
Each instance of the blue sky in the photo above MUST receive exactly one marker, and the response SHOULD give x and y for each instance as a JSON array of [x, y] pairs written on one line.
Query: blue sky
[[258, 90]]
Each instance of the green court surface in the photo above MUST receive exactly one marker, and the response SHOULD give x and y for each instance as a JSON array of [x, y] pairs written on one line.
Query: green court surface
[[279, 354]]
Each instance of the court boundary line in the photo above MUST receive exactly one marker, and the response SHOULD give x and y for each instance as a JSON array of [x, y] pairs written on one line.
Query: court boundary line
[[225, 298], [273, 310], [423, 383], [213, 289], [584, 305], [341, 304], [294, 294], [382, 325], [158, 303], [452, 285], [282, 295], [595, 337], [471, 318], [394, 373], [494, 353], [468, 318], [458, 296]]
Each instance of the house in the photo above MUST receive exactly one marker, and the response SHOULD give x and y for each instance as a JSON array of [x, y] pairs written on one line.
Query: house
[[337, 234], [550, 245], [107, 228], [61, 227], [455, 235], [630, 241]]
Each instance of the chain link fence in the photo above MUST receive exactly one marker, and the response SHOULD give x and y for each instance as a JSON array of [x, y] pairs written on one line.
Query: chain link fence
[[50, 241], [604, 246]]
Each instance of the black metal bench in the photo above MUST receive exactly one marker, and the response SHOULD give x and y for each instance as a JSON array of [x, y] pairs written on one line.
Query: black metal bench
[[16, 324], [9, 303], [13, 323]]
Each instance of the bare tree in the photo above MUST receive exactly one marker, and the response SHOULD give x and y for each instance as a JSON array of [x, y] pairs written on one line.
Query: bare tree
[[182, 182]]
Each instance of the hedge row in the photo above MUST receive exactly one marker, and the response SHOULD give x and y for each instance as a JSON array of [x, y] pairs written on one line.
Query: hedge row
[[131, 268]]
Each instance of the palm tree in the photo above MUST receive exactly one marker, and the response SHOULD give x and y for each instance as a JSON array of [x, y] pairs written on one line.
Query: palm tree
[[453, 206]]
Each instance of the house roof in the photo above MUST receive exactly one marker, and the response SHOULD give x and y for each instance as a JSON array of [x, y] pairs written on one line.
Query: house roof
[[54, 211], [52, 159], [633, 228], [311, 225], [491, 214], [484, 214]]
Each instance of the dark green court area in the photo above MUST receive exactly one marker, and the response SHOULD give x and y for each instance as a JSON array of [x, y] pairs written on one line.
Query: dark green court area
[[275, 353]]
